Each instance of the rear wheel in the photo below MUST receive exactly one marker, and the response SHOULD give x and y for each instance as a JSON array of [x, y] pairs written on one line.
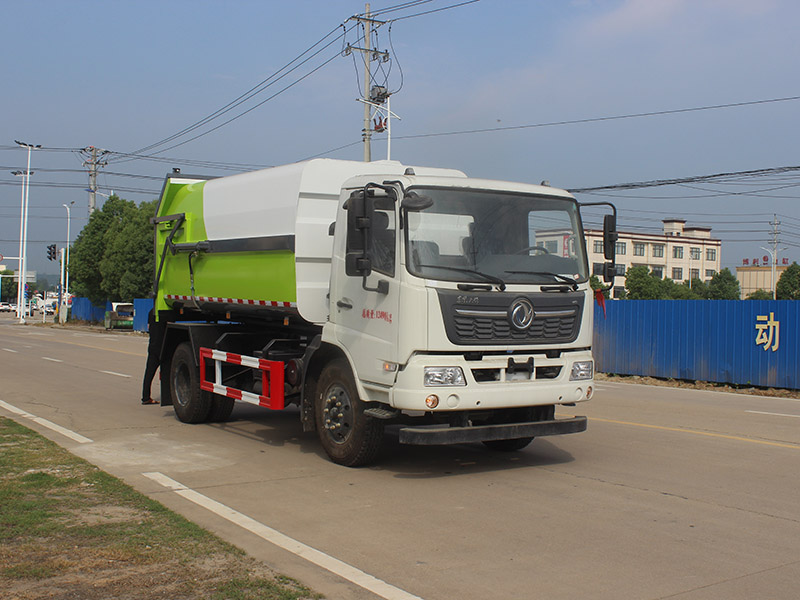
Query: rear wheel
[[191, 404], [349, 437]]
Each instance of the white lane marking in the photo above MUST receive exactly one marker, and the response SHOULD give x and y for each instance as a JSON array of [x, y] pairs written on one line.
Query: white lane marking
[[13, 409], [10, 350], [115, 373], [761, 412], [52, 359], [45, 423], [334, 565]]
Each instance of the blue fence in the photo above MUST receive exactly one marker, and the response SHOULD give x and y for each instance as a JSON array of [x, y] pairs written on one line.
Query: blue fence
[[748, 342], [141, 308], [82, 309]]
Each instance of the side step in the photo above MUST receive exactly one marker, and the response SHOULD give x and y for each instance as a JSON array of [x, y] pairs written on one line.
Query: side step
[[381, 413]]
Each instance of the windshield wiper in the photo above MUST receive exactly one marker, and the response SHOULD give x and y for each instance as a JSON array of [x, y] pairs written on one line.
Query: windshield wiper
[[501, 285], [556, 276]]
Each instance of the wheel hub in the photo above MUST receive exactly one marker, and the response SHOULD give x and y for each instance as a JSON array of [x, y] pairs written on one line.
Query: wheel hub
[[181, 385], [337, 413]]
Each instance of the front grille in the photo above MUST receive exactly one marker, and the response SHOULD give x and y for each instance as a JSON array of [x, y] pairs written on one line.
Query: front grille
[[488, 328], [483, 318]]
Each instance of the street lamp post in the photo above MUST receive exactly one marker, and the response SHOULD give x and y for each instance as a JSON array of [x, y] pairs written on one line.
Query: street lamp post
[[64, 295], [24, 252], [20, 281], [66, 268]]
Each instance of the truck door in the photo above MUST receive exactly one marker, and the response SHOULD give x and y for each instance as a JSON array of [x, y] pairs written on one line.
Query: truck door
[[364, 290]]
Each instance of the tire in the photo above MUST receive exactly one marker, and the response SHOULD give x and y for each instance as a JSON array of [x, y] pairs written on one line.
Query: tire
[[191, 404], [522, 415], [348, 436], [221, 409]]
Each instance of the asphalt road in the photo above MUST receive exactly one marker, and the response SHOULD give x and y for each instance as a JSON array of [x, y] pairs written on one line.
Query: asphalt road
[[671, 493]]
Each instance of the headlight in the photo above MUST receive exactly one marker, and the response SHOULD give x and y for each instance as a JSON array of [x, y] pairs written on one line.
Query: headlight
[[435, 376], [582, 370]]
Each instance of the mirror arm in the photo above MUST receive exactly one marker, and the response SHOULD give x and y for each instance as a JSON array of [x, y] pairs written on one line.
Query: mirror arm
[[381, 288]]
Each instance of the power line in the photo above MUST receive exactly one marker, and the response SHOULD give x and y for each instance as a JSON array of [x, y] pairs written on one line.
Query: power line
[[428, 12], [599, 119], [402, 6], [694, 178], [53, 184], [253, 91]]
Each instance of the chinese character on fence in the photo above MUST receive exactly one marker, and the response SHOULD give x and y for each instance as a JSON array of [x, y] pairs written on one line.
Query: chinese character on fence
[[767, 331]]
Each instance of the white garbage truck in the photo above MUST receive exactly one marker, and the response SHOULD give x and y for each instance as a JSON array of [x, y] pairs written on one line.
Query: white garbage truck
[[372, 295]]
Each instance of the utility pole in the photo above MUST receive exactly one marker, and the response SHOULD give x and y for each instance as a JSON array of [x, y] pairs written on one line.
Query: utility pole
[[369, 55], [773, 252], [92, 163], [367, 72]]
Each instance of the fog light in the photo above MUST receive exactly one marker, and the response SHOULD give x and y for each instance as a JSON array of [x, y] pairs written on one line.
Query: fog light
[[432, 401], [583, 369]]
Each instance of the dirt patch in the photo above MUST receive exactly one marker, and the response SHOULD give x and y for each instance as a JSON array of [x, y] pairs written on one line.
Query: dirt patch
[[699, 385]]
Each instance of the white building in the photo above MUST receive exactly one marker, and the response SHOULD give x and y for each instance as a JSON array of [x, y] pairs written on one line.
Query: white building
[[679, 253]]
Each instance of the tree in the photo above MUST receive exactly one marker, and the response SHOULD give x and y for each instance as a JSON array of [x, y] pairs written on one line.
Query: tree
[[760, 295], [112, 257], [788, 286], [8, 292], [127, 264], [724, 286], [700, 289], [641, 284]]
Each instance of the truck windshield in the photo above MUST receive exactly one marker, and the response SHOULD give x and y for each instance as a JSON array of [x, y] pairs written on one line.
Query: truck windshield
[[481, 235]]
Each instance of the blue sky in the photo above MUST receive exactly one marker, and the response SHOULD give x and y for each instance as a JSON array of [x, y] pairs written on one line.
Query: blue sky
[[122, 75]]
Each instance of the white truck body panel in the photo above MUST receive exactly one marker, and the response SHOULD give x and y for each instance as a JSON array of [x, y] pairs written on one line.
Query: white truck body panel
[[297, 200]]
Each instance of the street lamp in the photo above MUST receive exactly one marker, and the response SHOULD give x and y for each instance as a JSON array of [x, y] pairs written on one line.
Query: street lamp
[[24, 249]]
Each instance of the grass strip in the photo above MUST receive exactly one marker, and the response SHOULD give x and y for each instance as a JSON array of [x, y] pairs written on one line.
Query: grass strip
[[70, 530]]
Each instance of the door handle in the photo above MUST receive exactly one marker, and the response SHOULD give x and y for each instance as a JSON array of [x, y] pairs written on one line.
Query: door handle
[[343, 304]]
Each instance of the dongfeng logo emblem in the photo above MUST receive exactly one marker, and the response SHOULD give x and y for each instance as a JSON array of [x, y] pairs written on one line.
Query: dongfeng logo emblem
[[521, 313]]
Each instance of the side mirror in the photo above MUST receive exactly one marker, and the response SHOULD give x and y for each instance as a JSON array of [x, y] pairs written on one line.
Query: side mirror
[[415, 202], [610, 237], [359, 221]]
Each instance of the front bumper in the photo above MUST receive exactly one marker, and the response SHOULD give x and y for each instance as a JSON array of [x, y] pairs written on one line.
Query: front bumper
[[507, 391], [436, 435]]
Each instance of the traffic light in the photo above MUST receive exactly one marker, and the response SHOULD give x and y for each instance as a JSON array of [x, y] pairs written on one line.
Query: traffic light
[[52, 253]]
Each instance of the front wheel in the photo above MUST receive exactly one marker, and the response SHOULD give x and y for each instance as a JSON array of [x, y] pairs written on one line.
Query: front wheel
[[349, 437], [191, 404]]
